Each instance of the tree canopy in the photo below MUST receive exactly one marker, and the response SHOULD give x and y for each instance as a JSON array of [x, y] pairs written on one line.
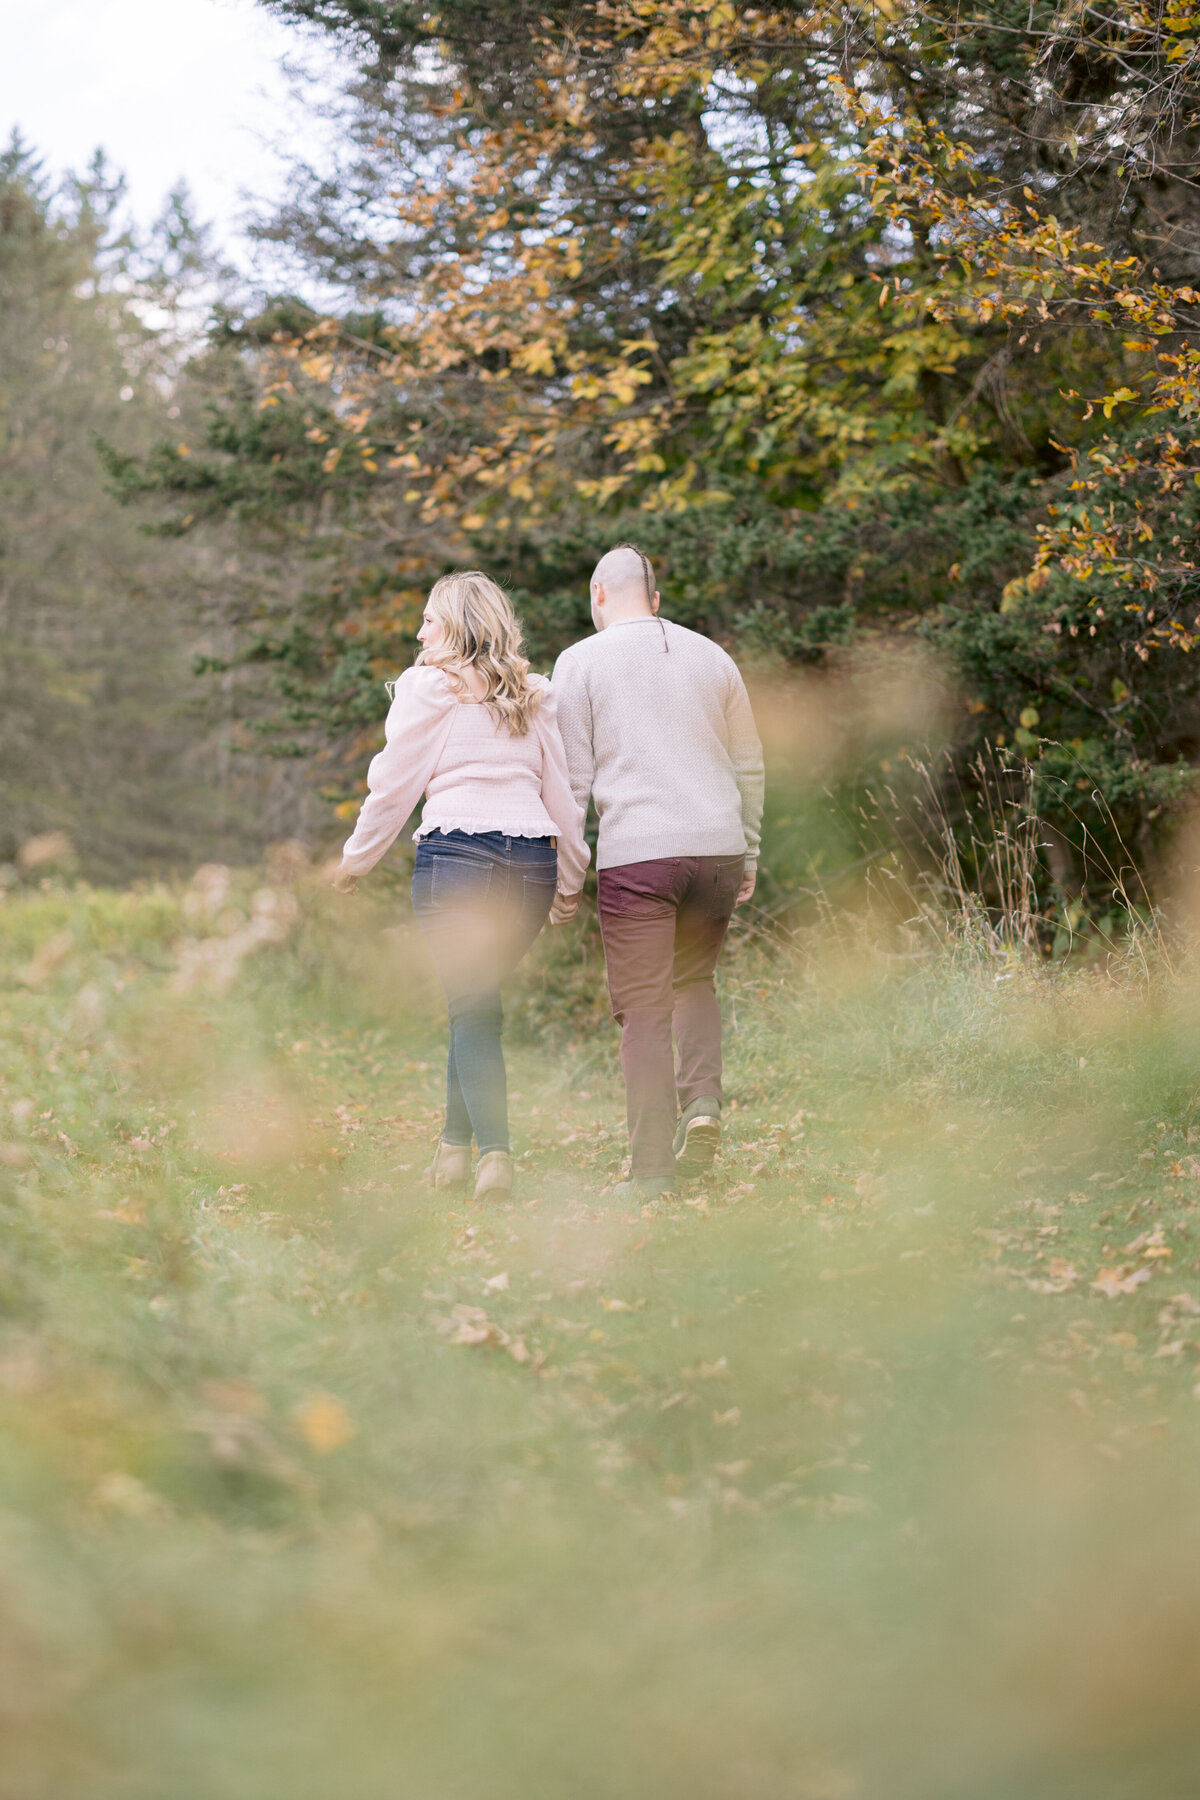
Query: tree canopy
[[867, 320]]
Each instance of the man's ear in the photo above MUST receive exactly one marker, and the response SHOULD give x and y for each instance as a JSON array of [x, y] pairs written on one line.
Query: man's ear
[[654, 602], [598, 594]]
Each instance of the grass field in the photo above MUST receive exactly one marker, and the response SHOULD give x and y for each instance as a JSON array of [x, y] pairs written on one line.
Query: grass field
[[865, 1472]]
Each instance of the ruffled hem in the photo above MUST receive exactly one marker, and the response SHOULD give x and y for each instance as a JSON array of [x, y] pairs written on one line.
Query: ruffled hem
[[524, 828]]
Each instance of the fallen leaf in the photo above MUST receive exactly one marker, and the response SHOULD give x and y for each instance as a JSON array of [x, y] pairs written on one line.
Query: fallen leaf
[[1118, 1280], [474, 1334], [470, 1325], [1061, 1275], [324, 1423], [843, 1506], [123, 1493], [732, 1417], [616, 1305], [496, 1284], [126, 1212], [233, 1396]]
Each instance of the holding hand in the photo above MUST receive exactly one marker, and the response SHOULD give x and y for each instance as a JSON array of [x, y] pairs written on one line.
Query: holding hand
[[565, 907], [344, 882]]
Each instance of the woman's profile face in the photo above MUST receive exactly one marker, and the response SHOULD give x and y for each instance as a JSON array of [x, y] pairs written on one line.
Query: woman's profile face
[[432, 633]]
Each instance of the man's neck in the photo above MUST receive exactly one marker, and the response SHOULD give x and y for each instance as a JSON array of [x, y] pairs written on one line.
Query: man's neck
[[639, 617]]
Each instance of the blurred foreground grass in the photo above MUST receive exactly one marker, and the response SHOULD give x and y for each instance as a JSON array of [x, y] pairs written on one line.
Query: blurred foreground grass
[[867, 1472]]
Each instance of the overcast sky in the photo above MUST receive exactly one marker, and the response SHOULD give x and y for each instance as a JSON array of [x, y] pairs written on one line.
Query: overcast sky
[[169, 88]]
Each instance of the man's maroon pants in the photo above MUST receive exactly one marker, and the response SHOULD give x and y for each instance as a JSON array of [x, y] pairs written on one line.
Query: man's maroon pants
[[663, 924]]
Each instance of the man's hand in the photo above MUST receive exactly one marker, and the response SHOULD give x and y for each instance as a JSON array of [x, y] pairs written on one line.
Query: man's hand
[[565, 907], [344, 882], [746, 890]]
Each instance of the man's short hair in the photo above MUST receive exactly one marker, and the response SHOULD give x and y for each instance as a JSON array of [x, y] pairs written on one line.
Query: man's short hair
[[626, 570]]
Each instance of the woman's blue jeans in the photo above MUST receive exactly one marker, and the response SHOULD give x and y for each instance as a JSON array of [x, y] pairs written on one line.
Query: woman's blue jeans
[[480, 899]]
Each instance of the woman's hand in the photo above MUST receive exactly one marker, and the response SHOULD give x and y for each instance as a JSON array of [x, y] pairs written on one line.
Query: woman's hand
[[746, 890], [344, 882], [565, 907]]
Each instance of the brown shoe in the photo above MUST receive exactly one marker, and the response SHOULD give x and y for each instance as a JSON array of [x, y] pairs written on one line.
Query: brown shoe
[[494, 1175], [451, 1165]]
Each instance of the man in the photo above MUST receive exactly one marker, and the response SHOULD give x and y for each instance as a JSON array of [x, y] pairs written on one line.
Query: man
[[658, 730]]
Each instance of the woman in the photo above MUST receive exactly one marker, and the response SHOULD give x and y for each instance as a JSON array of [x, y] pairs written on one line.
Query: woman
[[501, 832]]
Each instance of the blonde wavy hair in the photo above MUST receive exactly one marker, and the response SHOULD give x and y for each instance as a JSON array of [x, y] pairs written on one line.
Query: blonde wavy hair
[[481, 629]]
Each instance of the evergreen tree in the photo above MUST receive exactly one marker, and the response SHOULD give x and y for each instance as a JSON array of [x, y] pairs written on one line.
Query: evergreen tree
[[104, 733]]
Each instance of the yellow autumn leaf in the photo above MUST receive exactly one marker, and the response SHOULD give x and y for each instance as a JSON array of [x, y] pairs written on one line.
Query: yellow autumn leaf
[[1111, 401], [536, 358], [323, 1423]]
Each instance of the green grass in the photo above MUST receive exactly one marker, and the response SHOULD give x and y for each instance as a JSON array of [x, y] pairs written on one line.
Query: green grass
[[834, 1479]]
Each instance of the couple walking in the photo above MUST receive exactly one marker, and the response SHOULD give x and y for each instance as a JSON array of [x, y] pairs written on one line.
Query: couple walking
[[653, 723]]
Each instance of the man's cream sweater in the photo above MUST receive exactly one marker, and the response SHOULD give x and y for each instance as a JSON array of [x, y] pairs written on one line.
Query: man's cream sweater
[[657, 727]]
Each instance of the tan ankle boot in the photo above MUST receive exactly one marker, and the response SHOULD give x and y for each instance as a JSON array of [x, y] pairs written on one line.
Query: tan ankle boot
[[494, 1175], [451, 1165]]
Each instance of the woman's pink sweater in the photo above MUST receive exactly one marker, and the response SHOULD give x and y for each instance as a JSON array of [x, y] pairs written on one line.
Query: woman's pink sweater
[[477, 775]]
